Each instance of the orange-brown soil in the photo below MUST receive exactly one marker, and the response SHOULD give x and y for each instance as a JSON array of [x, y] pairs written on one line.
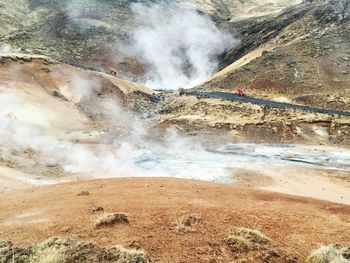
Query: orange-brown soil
[[296, 225]]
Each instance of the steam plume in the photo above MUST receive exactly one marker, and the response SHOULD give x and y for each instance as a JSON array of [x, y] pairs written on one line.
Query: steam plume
[[178, 45]]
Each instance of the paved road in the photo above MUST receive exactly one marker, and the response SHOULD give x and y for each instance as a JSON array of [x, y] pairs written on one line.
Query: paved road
[[265, 103]]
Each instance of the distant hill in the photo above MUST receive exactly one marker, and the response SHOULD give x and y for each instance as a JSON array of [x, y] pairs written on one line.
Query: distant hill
[[85, 32]]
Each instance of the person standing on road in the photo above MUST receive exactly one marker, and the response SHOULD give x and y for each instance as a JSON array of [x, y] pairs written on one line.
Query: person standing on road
[[240, 92]]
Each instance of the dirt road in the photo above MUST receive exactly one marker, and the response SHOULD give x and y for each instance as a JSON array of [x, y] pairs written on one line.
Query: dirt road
[[265, 103]]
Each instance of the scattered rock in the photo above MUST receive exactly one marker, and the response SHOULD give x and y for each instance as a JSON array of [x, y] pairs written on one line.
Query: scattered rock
[[290, 62], [51, 163], [59, 95], [113, 73]]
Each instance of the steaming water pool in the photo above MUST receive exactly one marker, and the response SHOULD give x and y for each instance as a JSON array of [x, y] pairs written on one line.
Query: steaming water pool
[[219, 165]]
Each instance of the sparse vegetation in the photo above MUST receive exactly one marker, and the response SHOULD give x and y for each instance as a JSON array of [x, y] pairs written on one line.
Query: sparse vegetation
[[330, 254], [105, 219], [239, 244], [48, 255], [185, 223], [127, 255], [245, 239], [83, 193], [62, 250], [253, 235]]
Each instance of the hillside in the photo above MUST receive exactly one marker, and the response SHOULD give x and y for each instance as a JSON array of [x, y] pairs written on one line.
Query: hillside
[[84, 33], [241, 10], [301, 56]]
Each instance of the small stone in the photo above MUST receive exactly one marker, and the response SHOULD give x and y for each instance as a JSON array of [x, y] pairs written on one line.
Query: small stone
[[290, 62], [51, 163], [59, 95]]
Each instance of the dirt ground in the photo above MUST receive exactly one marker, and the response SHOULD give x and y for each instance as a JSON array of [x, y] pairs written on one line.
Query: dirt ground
[[296, 225], [333, 186]]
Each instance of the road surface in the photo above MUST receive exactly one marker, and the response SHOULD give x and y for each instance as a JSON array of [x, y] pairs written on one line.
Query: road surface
[[261, 102]]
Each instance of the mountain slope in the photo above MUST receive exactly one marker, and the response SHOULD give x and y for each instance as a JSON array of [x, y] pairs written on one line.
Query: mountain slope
[[303, 55], [240, 10], [87, 33]]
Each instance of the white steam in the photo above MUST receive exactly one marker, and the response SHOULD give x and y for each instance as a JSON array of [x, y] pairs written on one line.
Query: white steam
[[117, 144], [178, 45], [82, 88], [5, 48], [32, 136]]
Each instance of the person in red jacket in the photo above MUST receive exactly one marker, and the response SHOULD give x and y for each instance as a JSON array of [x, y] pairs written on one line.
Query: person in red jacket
[[240, 92]]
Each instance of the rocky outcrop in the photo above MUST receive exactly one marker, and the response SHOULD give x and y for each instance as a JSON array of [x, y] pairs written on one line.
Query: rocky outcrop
[[334, 11]]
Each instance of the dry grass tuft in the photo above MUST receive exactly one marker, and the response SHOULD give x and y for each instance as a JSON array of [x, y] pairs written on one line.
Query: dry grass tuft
[[105, 219], [64, 250], [48, 255], [239, 244], [83, 193], [330, 254], [252, 235], [129, 255], [245, 240], [186, 222]]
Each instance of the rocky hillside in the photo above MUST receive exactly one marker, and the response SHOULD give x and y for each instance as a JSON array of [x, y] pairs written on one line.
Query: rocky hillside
[[240, 10], [75, 32], [86, 33], [301, 56]]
